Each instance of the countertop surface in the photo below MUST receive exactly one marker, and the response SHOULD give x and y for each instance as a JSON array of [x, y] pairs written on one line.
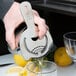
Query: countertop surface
[[62, 71]]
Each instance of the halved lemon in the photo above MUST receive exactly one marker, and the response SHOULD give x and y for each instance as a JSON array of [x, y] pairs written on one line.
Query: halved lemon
[[14, 71], [19, 60]]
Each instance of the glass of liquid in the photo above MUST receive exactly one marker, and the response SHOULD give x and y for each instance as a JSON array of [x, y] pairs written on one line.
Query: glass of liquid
[[70, 44], [45, 68]]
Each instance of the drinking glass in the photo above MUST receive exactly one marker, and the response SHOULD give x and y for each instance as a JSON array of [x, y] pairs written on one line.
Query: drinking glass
[[70, 44], [46, 68]]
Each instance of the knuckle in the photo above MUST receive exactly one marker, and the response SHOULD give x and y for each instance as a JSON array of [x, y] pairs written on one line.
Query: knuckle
[[43, 20]]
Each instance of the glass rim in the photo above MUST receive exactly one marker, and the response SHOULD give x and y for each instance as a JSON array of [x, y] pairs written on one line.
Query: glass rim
[[68, 33], [43, 72]]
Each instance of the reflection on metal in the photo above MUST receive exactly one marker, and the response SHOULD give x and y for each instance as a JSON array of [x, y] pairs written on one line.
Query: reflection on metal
[[38, 49]]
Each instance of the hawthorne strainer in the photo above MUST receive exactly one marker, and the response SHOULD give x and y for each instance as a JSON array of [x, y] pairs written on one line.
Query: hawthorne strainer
[[30, 45]]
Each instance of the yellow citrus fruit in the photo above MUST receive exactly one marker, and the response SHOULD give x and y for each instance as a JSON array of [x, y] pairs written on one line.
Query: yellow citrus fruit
[[14, 71], [20, 61], [17, 71], [23, 73], [61, 58]]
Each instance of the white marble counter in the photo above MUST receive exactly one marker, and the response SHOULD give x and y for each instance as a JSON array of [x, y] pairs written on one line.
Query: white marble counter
[[62, 71]]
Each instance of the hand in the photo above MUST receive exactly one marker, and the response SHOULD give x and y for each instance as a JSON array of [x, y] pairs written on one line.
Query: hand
[[13, 19], [40, 22]]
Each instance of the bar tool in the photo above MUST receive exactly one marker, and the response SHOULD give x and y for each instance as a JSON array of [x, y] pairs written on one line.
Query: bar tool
[[30, 45]]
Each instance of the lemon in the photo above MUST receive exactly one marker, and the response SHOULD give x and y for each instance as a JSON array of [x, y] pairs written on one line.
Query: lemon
[[61, 58], [17, 71], [19, 60], [23, 73], [14, 71]]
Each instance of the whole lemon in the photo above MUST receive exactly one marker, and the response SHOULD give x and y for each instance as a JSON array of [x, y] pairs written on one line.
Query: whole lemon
[[61, 57], [19, 60]]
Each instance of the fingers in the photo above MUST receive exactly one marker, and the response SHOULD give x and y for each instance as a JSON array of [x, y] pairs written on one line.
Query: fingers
[[10, 38], [35, 13], [13, 40], [42, 27], [12, 19]]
